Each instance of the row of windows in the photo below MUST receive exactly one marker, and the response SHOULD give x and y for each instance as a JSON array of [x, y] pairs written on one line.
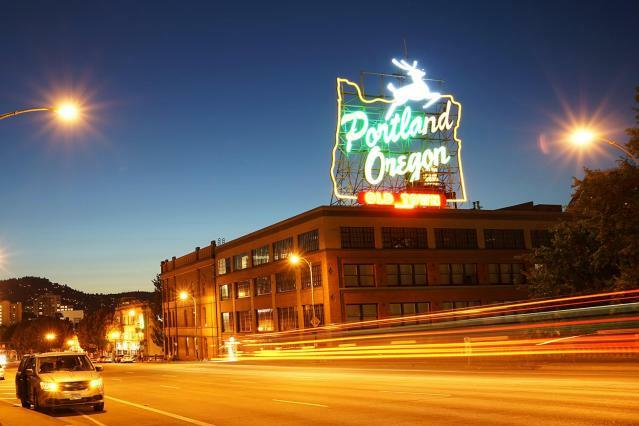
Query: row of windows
[[261, 320], [445, 238], [284, 281], [282, 249], [369, 312], [363, 275]]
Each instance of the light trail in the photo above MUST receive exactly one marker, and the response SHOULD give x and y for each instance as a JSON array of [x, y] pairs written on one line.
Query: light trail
[[604, 324]]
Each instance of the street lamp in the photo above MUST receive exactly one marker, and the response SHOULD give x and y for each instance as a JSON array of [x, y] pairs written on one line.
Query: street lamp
[[67, 111], [583, 136], [184, 296], [50, 337], [295, 260]]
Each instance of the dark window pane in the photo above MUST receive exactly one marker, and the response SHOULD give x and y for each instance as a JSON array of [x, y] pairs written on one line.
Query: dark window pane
[[404, 238], [262, 285], [504, 238], [282, 249], [454, 238], [358, 237], [308, 241]]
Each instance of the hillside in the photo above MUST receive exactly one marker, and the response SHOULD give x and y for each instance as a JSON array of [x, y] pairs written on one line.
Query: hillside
[[25, 290]]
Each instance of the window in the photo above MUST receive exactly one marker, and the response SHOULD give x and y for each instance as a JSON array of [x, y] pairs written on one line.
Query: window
[[358, 237], [460, 304], [404, 238], [240, 261], [452, 238], [359, 275], [262, 285], [287, 318], [223, 266], [227, 322], [308, 314], [408, 309], [225, 292], [540, 238], [244, 321], [504, 238], [309, 241], [506, 273], [458, 273], [406, 274], [260, 255], [285, 281], [282, 249], [264, 320], [242, 289], [306, 275], [361, 312]]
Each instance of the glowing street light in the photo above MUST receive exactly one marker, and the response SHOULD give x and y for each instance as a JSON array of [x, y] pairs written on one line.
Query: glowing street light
[[583, 137], [295, 259], [183, 295], [50, 337], [66, 111]]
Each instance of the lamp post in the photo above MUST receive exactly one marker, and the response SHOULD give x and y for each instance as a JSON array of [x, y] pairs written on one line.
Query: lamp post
[[184, 296], [583, 137], [66, 111], [295, 259]]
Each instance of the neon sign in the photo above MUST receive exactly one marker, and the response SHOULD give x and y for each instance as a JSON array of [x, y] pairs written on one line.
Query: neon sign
[[407, 144], [402, 200]]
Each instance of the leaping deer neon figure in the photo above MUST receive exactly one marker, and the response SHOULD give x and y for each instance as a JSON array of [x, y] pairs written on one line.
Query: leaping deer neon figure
[[416, 91]]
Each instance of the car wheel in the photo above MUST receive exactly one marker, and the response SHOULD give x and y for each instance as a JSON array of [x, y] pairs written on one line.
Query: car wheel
[[98, 407], [25, 403]]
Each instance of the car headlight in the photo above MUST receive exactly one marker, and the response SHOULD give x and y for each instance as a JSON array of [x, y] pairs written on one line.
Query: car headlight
[[95, 383], [49, 386]]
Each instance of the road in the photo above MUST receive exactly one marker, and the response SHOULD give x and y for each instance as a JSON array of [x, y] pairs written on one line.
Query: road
[[227, 394]]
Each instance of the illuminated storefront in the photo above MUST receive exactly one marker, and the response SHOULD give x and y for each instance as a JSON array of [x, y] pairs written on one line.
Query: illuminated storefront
[[129, 334]]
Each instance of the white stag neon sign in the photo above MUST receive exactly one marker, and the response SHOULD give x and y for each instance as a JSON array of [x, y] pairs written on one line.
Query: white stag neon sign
[[416, 91], [402, 139]]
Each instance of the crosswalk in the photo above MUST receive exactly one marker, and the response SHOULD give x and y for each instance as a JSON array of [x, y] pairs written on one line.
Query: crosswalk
[[8, 392]]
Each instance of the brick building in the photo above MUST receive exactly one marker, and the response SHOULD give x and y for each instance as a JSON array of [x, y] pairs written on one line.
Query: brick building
[[367, 263]]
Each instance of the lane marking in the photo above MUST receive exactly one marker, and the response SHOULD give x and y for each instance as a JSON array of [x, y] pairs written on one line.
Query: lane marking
[[415, 393], [402, 342], [7, 393], [164, 413], [243, 381], [168, 375], [13, 398], [97, 422], [119, 380], [169, 387], [300, 403], [558, 340]]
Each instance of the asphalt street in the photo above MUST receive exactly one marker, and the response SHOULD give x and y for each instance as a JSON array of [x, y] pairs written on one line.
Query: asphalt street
[[228, 394]]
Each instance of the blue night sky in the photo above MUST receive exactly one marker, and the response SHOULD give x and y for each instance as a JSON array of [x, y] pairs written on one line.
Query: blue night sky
[[209, 121]]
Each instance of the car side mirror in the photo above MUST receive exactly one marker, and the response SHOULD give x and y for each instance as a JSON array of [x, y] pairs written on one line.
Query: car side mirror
[[29, 371], [98, 368]]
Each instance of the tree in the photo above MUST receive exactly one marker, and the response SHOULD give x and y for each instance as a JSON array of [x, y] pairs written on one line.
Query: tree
[[92, 330], [29, 336], [157, 329], [596, 247]]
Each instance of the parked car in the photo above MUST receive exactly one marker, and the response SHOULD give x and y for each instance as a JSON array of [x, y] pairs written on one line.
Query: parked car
[[1, 372], [105, 359], [127, 358], [59, 379]]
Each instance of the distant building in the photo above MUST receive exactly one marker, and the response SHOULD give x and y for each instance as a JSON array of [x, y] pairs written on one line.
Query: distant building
[[73, 315], [46, 305], [130, 332], [10, 313]]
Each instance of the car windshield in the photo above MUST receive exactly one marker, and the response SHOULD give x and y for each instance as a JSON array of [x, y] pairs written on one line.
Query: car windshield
[[64, 363]]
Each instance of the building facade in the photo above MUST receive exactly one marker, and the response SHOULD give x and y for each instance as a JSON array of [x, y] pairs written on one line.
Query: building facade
[[10, 313], [47, 305], [367, 263], [130, 331]]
